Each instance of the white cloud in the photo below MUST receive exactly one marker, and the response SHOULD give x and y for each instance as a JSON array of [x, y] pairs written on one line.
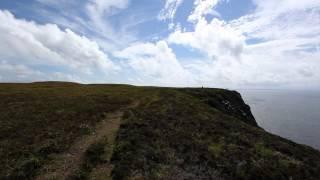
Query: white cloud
[[17, 72], [290, 35], [99, 8], [281, 20], [21, 73], [258, 69], [100, 12], [155, 63], [216, 38], [203, 7], [278, 45], [278, 7], [169, 11], [93, 18], [31, 44]]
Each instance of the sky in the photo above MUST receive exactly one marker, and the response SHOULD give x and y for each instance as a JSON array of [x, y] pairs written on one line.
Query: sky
[[247, 44]]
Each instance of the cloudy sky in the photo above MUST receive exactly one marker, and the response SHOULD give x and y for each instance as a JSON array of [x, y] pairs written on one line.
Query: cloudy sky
[[215, 43]]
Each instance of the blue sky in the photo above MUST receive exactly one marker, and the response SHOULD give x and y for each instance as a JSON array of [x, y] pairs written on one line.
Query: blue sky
[[214, 43]]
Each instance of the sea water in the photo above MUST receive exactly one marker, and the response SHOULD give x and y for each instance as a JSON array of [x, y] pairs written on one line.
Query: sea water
[[292, 114]]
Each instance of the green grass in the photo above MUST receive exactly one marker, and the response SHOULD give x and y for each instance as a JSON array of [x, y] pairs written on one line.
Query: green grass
[[216, 149], [263, 151], [172, 133]]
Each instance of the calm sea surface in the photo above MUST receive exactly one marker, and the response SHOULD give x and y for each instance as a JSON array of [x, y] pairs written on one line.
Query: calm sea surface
[[294, 115]]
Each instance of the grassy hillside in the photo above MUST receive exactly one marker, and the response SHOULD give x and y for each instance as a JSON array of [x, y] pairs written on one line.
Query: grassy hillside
[[127, 132]]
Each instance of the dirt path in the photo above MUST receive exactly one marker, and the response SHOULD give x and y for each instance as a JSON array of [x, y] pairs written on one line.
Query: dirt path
[[69, 162]]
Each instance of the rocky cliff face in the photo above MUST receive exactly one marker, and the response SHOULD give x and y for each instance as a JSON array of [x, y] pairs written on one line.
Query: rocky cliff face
[[229, 102]]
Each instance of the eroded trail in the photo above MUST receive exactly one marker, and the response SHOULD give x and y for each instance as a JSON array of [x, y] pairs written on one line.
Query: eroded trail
[[65, 165]]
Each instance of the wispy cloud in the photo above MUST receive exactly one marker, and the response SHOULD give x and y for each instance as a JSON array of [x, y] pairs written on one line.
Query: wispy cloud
[[91, 17], [170, 9], [203, 7]]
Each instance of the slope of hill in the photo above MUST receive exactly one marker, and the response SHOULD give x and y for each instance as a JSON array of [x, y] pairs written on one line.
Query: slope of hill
[[57, 130]]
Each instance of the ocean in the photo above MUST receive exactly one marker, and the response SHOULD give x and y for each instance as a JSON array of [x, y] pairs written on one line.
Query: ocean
[[291, 114]]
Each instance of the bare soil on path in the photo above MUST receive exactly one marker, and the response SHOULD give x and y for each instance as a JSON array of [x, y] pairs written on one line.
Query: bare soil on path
[[68, 163]]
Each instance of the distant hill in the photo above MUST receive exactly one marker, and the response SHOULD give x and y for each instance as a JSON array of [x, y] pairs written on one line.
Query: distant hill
[[62, 130]]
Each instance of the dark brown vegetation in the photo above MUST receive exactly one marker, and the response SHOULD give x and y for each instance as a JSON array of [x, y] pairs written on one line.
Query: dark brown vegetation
[[169, 134], [41, 119]]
